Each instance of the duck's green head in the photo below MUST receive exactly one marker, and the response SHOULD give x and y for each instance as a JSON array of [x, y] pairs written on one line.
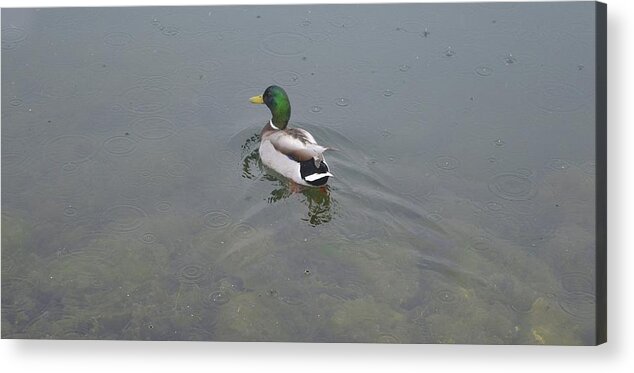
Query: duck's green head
[[276, 100]]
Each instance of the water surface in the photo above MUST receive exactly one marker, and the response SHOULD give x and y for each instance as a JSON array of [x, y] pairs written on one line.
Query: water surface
[[134, 205]]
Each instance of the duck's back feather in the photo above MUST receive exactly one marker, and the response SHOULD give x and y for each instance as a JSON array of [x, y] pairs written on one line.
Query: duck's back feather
[[297, 145]]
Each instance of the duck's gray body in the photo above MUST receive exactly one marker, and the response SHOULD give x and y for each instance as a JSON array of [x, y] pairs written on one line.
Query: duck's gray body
[[294, 154]]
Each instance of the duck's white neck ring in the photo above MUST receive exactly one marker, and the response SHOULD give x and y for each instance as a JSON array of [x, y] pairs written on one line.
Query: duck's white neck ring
[[272, 125]]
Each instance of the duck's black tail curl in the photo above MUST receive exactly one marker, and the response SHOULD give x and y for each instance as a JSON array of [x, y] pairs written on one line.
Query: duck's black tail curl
[[313, 175]]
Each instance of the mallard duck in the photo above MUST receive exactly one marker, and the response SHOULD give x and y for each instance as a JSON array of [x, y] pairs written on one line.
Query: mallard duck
[[292, 152]]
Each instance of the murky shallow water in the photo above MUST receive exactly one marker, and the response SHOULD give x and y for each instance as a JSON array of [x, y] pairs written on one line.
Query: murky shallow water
[[134, 205]]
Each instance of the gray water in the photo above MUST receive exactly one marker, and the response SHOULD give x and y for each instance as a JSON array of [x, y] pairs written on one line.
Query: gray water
[[134, 205]]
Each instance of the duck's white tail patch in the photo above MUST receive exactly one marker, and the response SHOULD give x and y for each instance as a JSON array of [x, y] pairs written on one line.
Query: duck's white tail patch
[[314, 177]]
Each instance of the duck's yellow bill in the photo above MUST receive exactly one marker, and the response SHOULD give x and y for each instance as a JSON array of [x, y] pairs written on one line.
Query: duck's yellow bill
[[256, 100]]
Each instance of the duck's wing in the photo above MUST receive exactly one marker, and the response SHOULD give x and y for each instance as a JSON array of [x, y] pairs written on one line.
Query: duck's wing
[[302, 135], [297, 144]]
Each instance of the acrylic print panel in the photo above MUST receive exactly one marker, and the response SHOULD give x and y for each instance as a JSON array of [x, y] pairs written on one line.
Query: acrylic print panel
[[467, 148]]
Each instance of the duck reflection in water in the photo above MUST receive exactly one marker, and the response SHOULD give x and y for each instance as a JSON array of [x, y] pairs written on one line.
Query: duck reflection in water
[[317, 199]]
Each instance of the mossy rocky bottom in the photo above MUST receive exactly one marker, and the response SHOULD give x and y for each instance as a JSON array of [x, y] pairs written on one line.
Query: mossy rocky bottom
[[212, 285]]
